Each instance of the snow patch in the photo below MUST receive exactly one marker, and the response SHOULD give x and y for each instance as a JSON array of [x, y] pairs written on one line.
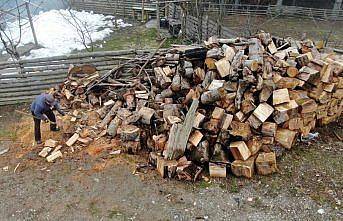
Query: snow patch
[[56, 31]]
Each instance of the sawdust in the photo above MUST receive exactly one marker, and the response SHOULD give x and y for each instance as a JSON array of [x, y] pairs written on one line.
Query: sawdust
[[25, 132]]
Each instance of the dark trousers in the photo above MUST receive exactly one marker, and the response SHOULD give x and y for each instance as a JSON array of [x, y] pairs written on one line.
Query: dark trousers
[[50, 114]]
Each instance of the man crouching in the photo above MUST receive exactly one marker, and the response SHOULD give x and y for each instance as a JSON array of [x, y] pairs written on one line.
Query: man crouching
[[41, 109]]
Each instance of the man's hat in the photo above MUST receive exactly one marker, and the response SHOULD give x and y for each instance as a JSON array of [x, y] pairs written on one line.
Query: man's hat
[[50, 100]]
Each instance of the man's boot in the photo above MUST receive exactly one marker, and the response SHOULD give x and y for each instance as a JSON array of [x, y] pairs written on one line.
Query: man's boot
[[53, 127], [39, 142]]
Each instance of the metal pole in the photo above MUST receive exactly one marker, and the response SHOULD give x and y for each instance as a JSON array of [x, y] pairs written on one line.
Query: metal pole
[[31, 23]]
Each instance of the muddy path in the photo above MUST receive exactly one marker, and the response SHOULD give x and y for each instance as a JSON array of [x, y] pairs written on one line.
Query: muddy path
[[104, 187]]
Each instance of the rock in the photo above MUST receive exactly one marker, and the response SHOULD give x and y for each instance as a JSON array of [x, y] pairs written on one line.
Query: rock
[[321, 211]]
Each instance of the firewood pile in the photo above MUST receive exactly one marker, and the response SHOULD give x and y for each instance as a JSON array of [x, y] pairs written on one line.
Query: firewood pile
[[228, 106]]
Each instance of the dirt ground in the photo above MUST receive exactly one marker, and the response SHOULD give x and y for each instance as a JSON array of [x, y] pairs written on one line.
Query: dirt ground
[[106, 187]]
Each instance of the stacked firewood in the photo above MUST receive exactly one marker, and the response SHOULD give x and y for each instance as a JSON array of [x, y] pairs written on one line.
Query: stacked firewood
[[224, 107]]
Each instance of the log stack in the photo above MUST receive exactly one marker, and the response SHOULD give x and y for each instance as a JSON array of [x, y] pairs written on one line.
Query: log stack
[[223, 107]]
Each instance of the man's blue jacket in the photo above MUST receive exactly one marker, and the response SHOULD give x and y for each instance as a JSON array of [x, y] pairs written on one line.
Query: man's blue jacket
[[39, 106]]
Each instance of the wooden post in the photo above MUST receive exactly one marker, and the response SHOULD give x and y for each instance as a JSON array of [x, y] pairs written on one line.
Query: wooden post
[[237, 2], [158, 18], [31, 23], [338, 5], [198, 5], [183, 19], [220, 18], [279, 3], [143, 1]]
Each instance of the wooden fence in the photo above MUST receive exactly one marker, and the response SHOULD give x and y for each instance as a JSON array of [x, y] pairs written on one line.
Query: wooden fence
[[23, 80], [274, 10], [121, 8], [209, 27]]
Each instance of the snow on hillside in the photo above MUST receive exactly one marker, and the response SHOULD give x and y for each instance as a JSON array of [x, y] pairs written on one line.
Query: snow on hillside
[[58, 36]]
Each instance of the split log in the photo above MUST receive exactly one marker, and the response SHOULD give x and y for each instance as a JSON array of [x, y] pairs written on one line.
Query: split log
[[198, 120], [229, 52], [209, 79], [146, 114], [163, 80], [212, 126], [337, 68], [218, 113], [176, 83], [226, 121], [44, 152], [240, 129], [302, 60], [240, 150], [160, 141], [209, 97], [72, 139], [285, 137], [265, 93], [168, 71], [292, 71], [254, 121], [307, 105], [198, 75], [309, 75], [237, 62], [50, 143], [243, 168], [129, 133], [173, 120], [283, 111], [210, 63], [214, 53], [251, 64], [167, 93], [68, 94], [267, 141], [166, 168], [280, 96], [289, 83], [216, 84], [256, 50], [269, 129], [130, 99], [263, 111], [272, 48], [254, 144], [266, 163], [247, 106], [195, 138], [240, 116], [179, 134], [103, 111], [223, 67], [109, 116], [171, 110], [201, 153], [220, 154], [217, 170], [295, 123], [85, 141], [54, 156], [113, 126], [242, 86]]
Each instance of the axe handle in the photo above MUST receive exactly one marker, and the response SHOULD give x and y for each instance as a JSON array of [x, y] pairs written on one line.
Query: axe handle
[[30, 115]]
